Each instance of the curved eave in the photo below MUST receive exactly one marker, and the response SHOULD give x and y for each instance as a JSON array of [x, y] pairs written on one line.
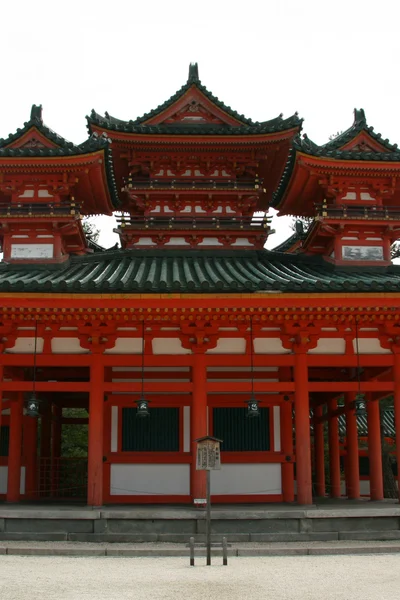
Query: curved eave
[[323, 164], [67, 163], [169, 138]]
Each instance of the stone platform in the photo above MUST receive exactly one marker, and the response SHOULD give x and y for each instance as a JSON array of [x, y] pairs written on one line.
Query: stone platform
[[342, 520]]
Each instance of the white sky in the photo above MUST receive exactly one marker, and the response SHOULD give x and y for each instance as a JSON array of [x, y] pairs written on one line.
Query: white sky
[[321, 58]]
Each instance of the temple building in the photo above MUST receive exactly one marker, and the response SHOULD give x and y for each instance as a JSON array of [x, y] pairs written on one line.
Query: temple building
[[190, 326]]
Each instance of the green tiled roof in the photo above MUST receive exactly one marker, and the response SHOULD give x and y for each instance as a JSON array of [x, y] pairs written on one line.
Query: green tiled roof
[[245, 126], [64, 148], [134, 271]]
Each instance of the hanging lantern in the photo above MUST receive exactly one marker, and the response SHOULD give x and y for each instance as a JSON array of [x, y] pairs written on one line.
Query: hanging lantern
[[142, 407], [32, 407], [360, 405], [253, 409]]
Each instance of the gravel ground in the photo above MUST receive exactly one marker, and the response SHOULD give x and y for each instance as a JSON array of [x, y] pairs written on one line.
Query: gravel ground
[[277, 578]]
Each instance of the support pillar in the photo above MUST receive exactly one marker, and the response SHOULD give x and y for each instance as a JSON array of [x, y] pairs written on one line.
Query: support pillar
[[1, 396], [352, 457], [96, 426], [287, 449], [14, 450], [334, 451], [319, 453], [374, 449], [30, 454], [396, 398], [199, 425], [302, 426]]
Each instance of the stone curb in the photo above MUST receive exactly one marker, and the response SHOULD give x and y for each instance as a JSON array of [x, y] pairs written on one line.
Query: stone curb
[[200, 552]]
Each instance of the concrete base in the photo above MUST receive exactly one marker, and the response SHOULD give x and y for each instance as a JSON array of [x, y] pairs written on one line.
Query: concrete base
[[241, 523]]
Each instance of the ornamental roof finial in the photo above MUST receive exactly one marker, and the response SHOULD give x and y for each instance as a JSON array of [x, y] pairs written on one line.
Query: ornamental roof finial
[[359, 117], [36, 113], [193, 73]]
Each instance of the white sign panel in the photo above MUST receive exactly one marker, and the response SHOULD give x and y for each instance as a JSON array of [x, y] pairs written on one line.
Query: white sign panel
[[362, 253], [32, 251]]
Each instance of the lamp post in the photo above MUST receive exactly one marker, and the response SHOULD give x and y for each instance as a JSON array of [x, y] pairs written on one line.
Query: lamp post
[[142, 403], [359, 401], [32, 406], [253, 410]]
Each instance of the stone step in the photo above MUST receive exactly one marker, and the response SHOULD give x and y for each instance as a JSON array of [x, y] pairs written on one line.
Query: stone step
[[31, 536]]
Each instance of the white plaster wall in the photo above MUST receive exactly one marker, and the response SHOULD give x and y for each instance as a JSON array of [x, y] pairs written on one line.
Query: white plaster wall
[[26, 345], [247, 478], [277, 428], [229, 346], [145, 241], [150, 479], [210, 241], [169, 346], [269, 346], [126, 346], [329, 346], [3, 480], [67, 345], [369, 346]]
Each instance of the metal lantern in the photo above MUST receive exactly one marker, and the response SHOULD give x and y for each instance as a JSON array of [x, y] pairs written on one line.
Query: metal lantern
[[32, 406], [360, 405], [253, 409], [142, 407]]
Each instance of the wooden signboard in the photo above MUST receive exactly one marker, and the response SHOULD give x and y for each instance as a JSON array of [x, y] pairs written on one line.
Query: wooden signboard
[[208, 454]]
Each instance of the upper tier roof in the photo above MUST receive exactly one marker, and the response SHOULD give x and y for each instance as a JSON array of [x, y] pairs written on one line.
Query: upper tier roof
[[358, 144], [227, 121], [35, 140], [191, 271]]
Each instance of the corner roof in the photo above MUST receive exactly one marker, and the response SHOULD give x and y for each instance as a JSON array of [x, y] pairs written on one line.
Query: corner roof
[[340, 149], [58, 147], [244, 125]]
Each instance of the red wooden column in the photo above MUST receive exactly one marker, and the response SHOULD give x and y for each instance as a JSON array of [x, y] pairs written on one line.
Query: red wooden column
[[396, 396], [14, 449], [1, 395], [287, 449], [96, 426], [198, 425], [334, 451], [319, 453], [302, 427], [374, 449], [30, 454], [352, 457]]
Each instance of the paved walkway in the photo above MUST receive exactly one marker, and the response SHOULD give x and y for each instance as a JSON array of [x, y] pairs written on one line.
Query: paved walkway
[[276, 578]]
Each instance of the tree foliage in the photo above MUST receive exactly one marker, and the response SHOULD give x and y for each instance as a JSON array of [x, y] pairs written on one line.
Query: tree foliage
[[92, 232]]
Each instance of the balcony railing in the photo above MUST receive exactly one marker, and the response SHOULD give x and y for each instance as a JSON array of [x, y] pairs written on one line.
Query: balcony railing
[[64, 209], [188, 183], [190, 222], [359, 212]]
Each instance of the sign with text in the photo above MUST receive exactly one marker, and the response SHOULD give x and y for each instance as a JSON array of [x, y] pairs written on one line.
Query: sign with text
[[208, 454]]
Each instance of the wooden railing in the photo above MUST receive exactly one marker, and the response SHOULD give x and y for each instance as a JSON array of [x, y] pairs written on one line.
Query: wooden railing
[[193, 184], [358, 212], [190, 222], [36, 209]]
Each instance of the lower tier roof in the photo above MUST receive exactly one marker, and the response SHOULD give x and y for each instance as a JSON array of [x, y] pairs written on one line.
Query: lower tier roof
[[162, 271]]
